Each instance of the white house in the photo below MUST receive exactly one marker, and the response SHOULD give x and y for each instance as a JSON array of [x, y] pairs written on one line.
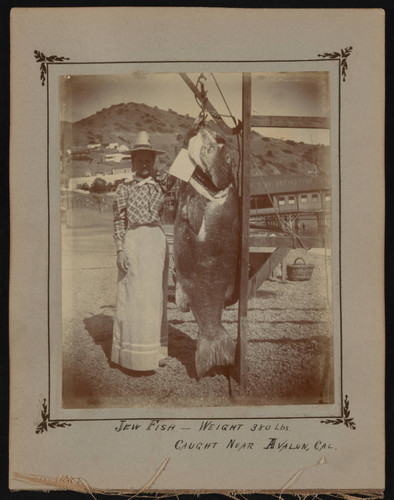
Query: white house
[[125, 170], [94, 146], [116, 157], [75, 181], [113, 145]]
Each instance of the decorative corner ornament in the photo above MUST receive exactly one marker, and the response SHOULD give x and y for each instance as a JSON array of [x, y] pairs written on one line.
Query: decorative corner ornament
[[46, 423], [346, 419], [342, 56], [44, 60]]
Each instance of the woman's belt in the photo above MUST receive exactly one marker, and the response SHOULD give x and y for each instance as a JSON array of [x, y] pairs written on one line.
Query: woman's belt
[[131, 225]]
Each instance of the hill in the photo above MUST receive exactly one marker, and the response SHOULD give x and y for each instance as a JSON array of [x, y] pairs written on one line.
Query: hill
[[167, 128]]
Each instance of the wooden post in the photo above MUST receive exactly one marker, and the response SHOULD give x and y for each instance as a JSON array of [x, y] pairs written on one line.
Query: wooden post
[[240, 361], [284, 270]]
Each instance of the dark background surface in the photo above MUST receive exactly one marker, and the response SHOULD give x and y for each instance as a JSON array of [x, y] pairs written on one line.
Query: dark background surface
[[5, 7]]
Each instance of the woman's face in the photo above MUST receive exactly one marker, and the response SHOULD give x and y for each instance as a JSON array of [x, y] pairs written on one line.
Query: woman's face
[[143, 162]]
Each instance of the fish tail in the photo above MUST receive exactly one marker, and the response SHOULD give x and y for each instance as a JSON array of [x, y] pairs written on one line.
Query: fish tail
[[217, 351]]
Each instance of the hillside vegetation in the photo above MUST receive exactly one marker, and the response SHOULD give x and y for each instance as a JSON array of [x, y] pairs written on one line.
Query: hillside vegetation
[[121, 122]]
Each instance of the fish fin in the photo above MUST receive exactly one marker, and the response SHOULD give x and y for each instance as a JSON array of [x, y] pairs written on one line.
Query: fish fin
[[195, 214], [231, 296], [217, 351], [202, 233], [181, 299]]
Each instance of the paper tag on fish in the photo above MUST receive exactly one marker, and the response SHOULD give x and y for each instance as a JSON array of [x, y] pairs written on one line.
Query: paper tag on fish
[[182, 166]]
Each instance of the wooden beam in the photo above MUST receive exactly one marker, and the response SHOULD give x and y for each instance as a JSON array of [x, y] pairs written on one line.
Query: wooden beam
[[266, 269], [290, 121], [242, 341], [256, 240]]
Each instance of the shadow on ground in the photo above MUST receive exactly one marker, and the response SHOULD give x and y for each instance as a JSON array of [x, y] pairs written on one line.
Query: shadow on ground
[[265, 294], [180, 345], [100, 328], [281, 371]]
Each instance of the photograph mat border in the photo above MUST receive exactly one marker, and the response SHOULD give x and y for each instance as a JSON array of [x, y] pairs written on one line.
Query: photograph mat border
[[53, 391]]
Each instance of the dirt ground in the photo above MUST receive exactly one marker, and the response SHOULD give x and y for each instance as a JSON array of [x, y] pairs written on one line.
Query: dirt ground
[[289, 345]]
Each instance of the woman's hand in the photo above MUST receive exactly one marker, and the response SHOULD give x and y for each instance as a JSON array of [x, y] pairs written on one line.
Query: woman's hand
[[122, 261]]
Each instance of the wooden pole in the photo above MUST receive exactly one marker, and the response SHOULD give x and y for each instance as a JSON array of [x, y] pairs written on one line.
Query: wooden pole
[[290, 121], [241, 352]]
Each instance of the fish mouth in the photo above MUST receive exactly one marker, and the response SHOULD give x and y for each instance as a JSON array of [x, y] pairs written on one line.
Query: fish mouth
[[209, 151], [216, 166]]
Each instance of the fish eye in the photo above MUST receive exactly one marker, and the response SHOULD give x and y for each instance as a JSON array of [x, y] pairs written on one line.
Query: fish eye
[[220, 140]]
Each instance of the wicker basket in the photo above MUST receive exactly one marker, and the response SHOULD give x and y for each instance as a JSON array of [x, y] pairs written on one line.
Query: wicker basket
[[299, 272]]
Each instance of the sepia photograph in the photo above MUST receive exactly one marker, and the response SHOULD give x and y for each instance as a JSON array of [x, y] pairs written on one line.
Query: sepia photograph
[[197, 251], [162, 182]]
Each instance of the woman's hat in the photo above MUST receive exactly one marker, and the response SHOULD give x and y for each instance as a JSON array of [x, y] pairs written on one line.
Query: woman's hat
[[142, 143]]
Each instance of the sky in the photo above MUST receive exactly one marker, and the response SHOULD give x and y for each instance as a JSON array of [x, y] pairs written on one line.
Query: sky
[[285, 93]]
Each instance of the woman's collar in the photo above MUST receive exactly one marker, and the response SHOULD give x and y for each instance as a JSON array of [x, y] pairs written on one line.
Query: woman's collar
[[144, 181]]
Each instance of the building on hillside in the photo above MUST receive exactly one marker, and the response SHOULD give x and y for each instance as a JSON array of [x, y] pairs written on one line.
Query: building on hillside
[[313, 171], [116, 157], [74, 182], [300, 196], [82, 156], [123, 148], [125, 170], [77, 151], [113, 178], [113, 145], [94, 146]]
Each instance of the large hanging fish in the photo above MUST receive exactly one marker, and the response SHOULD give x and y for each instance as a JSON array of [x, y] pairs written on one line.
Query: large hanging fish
[[206, 246]]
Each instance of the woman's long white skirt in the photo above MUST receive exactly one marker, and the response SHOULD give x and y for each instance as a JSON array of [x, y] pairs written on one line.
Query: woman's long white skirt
[[140, 323]]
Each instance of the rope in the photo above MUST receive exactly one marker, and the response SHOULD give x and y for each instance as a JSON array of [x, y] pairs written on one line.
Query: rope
[[268, 193], [203, 98], [285, 226], [201, 105], [239, 159], [224, 99], [235, 123]]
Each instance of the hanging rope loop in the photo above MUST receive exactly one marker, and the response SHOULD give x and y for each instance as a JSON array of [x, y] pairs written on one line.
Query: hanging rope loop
[[202, 97]]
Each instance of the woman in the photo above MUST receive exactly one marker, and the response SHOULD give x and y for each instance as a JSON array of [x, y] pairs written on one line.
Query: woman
[[140, 323]]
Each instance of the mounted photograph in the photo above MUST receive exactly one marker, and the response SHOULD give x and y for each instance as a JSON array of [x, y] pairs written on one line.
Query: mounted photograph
[[197, 251]]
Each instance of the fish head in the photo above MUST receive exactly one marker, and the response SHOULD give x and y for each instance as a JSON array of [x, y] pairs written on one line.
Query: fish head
[[215, 158]]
